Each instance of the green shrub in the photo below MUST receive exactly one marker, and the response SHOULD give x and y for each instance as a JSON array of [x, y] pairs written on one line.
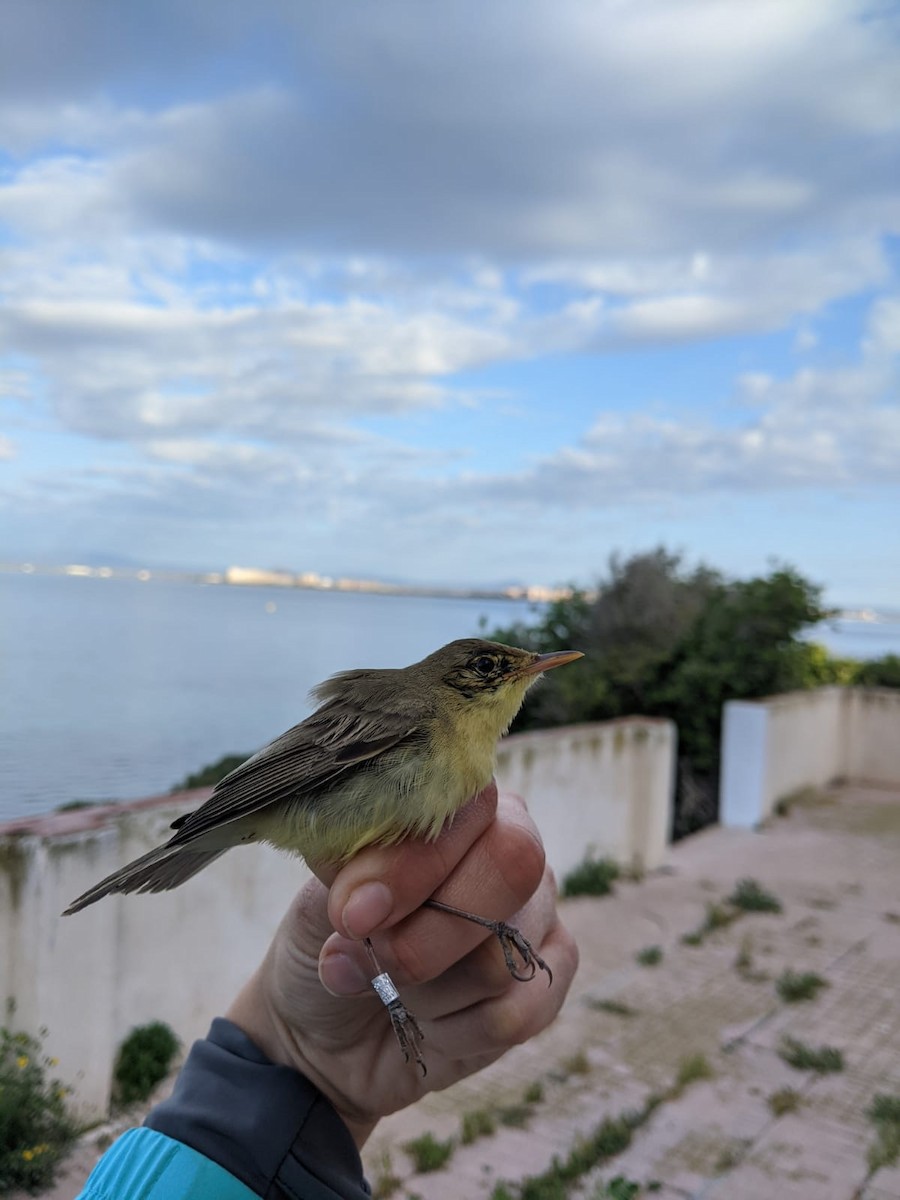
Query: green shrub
[[428, 1153], [36, 1132], [477, 1123], [593, 877], [884, 1113], [650, 956], [751, 896], [803, 1057], [143, 1061], [212, 773], [793, 986]]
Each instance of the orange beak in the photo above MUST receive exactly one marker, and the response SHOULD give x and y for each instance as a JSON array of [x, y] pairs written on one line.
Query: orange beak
[[546, 662]]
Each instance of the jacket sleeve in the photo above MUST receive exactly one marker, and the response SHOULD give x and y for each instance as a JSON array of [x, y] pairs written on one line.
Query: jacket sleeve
[[234, 1121]]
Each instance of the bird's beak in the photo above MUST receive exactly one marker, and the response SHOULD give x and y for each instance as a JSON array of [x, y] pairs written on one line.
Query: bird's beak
[[546, 662]]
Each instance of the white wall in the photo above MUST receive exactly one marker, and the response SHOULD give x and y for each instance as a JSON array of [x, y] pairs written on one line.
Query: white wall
[[181, 956], [605, 788], [776, 746]]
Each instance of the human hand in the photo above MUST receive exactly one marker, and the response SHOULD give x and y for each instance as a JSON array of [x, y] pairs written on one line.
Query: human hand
[[450, 972]]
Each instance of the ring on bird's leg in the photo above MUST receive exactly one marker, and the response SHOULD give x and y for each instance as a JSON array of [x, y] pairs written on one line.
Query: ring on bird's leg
[[510, 939], [404, 1024]]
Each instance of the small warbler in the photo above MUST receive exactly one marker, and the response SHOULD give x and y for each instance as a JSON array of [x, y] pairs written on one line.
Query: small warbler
[[386, 755]]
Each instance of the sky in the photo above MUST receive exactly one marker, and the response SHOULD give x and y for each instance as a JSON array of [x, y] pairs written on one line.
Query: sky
[[465, 293]]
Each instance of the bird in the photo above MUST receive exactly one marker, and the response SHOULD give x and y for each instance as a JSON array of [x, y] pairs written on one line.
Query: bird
[[386, 754]]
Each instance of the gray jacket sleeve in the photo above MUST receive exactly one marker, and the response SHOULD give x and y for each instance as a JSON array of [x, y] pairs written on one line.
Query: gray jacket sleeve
[[265, 1124]]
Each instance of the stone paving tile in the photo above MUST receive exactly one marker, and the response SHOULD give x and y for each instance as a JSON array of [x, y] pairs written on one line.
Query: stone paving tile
[[884, 1185], [802, 1156]]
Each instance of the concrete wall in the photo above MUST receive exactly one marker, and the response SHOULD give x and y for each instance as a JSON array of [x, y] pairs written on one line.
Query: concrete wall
[[776, 746], [605, 788], [181, 956]]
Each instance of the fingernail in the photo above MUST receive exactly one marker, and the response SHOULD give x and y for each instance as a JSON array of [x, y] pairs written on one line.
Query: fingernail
[[342, 976], [367, 907]]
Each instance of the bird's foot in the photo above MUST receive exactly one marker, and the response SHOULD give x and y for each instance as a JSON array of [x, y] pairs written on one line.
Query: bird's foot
[[405, 1026], [511, 942]]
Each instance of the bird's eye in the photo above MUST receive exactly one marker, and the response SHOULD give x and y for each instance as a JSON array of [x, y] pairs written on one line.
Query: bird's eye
[[483, 665]]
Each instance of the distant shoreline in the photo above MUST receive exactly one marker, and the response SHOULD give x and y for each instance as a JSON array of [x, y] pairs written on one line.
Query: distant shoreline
[[309, 581]]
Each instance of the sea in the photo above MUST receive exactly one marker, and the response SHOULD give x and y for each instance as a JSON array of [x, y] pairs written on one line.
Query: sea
[[116, 688]]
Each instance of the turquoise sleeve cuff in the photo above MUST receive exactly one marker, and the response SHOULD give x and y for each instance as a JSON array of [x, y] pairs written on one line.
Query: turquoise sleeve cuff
[[146, 1165]]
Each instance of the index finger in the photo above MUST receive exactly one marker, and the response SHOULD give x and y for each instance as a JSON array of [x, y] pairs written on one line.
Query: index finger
[[383, 884]]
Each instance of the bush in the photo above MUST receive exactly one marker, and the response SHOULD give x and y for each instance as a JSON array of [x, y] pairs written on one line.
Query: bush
[[36, 1132], [593, 877], [211, 774], [143, 1061]]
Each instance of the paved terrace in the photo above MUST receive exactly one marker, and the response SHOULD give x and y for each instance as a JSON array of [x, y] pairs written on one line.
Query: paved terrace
[[834, 862]]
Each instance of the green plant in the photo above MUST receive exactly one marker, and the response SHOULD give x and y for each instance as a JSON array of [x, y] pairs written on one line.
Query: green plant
[[211, 774], [751, 896], [429, 1154], [477, 1123], [386, 1182], [514, 1116], [620, 1188], [36, 1132], [143, 1061], [650, 956], [616, 1007], [691, 1069], [794, 986], [821, 1059], [785, 1100], [576, 1064], [534, 1093], [593, 877], [884, 1113]]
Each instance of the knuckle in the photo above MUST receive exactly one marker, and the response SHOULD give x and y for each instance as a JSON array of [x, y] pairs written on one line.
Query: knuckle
[[411, 966], [523, 861]]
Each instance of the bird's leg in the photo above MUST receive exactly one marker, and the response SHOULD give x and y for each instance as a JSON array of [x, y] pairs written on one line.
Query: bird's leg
[[510, 939], [404, 1024]]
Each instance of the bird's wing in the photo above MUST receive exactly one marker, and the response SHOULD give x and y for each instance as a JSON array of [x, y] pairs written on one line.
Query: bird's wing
[[301, 764]]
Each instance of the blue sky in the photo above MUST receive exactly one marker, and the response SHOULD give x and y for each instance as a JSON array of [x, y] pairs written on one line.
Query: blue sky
[[455, 293]]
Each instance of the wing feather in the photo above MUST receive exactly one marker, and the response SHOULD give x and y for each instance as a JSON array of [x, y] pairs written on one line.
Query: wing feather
[[343, 735]]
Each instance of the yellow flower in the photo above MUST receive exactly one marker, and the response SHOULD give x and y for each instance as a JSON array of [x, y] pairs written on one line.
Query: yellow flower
[[53, 1062], [22, 1062], [28, 1155]]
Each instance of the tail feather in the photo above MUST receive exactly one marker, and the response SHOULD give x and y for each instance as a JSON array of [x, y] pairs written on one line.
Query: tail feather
[[158, 871]]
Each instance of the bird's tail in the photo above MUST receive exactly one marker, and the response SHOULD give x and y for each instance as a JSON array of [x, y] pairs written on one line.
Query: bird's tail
[[158, 871]]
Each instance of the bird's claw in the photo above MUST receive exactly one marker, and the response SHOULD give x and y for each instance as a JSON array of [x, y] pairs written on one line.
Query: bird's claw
[[404, 1024], [408, 1034], [510, 940]]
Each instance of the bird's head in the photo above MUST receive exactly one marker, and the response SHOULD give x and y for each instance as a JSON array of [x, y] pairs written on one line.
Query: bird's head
[[489, 678]]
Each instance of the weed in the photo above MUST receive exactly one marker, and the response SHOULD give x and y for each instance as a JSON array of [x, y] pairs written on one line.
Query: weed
[[694, 938], [576, 1064], [534, 1093], [609, 1138], [884, 1113], [515, 1116], [785, 1100], [386, 1182], [36, 1133], [690, 1070], [429, 1154], [751, 896], [650, 956], [143, 1061], [794, 986], [616, 1007], [593, 877], [821, 1059], [480, 1122], [619, 1188]]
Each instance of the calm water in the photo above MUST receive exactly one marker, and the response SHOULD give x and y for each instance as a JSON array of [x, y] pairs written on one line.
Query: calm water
[[117, 689]]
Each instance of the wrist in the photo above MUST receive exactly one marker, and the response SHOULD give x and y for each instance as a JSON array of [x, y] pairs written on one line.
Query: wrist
[[253, 1014]]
